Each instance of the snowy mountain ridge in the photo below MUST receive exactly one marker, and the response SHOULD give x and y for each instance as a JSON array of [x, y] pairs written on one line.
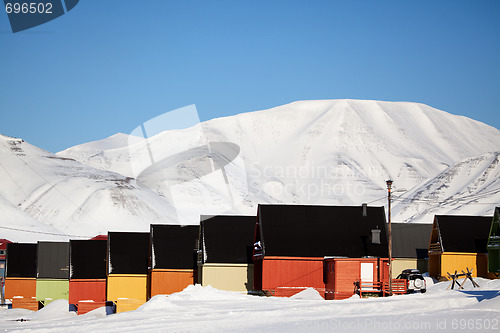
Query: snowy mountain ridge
[[331, 152]]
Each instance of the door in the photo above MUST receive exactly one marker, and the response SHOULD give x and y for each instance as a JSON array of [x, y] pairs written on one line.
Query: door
[[366, 276]]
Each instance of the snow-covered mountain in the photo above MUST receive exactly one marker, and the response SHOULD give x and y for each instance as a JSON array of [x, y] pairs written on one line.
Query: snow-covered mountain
[[470, 187], [308, 152], [59, 198]]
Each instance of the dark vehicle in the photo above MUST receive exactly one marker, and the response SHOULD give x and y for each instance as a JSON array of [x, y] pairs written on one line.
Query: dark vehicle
[[415, 280]]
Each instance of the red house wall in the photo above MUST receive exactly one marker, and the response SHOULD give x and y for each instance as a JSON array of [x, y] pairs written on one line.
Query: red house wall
[[341, 273], [87, 289], [286, 276]]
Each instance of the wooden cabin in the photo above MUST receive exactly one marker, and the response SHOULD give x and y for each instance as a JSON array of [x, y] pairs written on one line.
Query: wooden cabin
[[87, 281], [20, 280], [291, 242], [225, 252], [173, 258], [52, 280], [410, 245], [458, 242], [494, 246], [127, 273]]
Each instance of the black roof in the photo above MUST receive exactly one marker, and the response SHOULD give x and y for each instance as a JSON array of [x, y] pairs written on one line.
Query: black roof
[[88, 259], [467, 234], [227, 239], [21, 260], [410, 240], [174, 246], [128, 252], [317, 231]]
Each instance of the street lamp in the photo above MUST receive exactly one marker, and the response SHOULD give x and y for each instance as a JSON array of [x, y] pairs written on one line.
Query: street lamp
[[389, 231]]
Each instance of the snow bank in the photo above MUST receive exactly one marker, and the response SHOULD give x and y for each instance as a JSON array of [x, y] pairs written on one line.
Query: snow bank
[[197, 292], [58, 309], [103, 311], [159, 303], [484, 284], [308, 294]]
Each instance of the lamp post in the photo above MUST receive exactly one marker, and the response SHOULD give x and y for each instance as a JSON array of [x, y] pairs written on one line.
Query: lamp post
[[389, 231]]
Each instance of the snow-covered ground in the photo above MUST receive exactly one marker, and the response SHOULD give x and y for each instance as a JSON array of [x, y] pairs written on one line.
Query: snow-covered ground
[[205, 309]]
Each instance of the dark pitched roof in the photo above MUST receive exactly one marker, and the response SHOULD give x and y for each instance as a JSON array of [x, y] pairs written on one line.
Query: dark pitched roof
[[128, 252], [464, 233], [53, 260], [88, 259], [174, 246], [227, 239], [21, 260], [410, 240], [317, 231]]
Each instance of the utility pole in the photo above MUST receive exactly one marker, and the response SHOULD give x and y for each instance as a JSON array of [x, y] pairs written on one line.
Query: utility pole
[[1, 289], [389, 231]]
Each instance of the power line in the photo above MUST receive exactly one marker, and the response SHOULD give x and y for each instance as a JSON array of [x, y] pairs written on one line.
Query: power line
[[44, 233]]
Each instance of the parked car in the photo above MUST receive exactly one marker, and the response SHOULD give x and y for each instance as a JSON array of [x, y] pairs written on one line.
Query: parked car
[[415, 280]]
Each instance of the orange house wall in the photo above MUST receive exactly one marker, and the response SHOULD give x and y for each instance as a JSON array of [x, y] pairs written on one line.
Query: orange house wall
[[25, 287], [169, 281]]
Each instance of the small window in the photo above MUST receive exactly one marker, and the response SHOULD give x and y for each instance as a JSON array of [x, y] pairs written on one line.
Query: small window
[[2, 252]]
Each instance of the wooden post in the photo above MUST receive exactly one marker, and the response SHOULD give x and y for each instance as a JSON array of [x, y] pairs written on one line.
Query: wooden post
[[1, 289], [389, 231]]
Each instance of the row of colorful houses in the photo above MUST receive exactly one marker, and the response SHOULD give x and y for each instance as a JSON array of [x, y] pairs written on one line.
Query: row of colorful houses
[[280, 251]]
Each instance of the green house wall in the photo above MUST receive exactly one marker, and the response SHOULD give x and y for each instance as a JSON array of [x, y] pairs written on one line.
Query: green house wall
[[48, 290]]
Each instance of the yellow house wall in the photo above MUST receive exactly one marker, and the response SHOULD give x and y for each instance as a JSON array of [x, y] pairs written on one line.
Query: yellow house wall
[[451, 261], [132, 286], [124, 305], [232, 277]]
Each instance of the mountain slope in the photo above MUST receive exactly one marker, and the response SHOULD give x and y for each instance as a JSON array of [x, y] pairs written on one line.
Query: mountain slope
[[320, 152], [470, 187], [334, 152], [70, 198]]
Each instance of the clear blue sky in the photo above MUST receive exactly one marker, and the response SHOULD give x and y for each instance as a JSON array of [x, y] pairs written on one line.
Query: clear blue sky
[[108, 66]]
